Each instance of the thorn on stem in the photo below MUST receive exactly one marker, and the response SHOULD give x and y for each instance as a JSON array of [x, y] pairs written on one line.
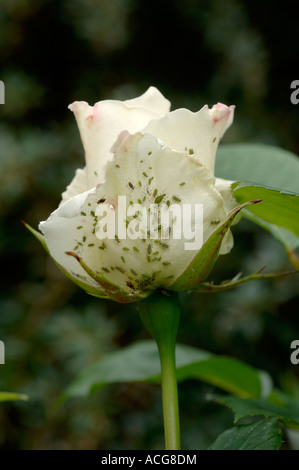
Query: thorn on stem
[[261, 269]]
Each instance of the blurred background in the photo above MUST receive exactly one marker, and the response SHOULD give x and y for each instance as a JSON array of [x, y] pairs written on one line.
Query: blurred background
[[196, 52]]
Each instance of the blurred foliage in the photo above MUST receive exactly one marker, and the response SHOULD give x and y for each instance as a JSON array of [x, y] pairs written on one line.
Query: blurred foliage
[[196, 52]]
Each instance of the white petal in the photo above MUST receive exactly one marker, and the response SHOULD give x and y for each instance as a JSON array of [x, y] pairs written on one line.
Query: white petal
[[227, 243], [224, 188], [62, 235], [152, 99], [229, 202], [195, 133], [77, 186], [100, 125]]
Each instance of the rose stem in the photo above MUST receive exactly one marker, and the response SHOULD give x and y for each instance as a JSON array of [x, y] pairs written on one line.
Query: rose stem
[[160, 314]]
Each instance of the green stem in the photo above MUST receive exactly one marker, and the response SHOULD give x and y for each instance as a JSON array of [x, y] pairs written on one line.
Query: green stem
[[160, 315], [170, 399]]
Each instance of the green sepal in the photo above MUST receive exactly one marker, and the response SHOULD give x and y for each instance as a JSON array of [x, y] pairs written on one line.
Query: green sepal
[[202, 263], [37, 235], [83, 285], [207, 287], [112, 290]]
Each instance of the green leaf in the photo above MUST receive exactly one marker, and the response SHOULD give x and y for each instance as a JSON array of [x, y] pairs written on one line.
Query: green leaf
[[260, 164], [140, 363], [10, 396], [261, 435], [260, 407], [264, 165], [202, 263], [276, 208], [226, 373], [288, 239]]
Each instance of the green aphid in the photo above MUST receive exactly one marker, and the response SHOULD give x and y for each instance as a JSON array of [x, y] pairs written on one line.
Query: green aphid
[[159, 198], [119, 269], [164, 245]]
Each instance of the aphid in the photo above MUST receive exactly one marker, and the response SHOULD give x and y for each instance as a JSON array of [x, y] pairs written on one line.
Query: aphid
[[129, 284]]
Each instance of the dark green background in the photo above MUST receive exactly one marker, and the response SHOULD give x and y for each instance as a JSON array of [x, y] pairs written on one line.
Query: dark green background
[[196, 52]]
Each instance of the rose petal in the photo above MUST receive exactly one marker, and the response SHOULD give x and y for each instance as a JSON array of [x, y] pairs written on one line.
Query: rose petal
[[99, 126], [62, 234], [153, 100], [77, 186], [229, 202], [224, 188], [195, 133]]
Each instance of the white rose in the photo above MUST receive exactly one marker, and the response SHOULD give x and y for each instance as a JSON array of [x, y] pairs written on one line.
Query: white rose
[[138, 149]]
